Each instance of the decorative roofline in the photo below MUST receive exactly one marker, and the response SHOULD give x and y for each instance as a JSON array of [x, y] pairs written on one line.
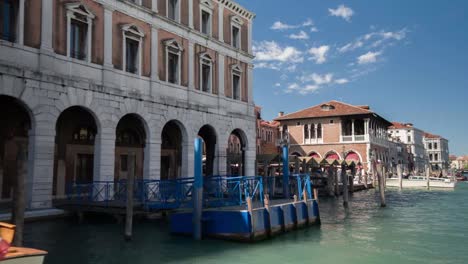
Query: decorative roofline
[[238, 9]]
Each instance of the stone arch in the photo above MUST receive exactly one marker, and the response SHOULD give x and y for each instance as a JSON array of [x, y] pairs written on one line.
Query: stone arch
[[16, 120], [131, 139], [314, 154], [237, 146], [332, 152], [174, 139], [210, 140], [350, 152], [296, 153], [75, 147]]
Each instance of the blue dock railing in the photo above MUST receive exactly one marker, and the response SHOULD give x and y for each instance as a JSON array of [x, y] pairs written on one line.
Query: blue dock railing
[[298, 183], [219, 191]]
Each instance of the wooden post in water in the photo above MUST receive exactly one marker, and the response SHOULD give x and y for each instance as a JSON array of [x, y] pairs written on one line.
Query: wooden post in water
[[304, 166], [19, 196], [379, 174], [400, 176], [330, 182], [296, 165], [384, 176], [130, 182], [351, 182], [252, 219], [336, 181], [428, 176], [266, 202], [344, 178], [366, 179]]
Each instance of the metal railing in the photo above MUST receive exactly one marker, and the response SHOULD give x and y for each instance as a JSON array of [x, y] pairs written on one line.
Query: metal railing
[[298, 183], [221, 191]]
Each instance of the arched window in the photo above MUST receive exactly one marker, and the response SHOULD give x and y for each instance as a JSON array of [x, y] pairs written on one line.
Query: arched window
[[173, 10], [84, 134], [206, 73], [132, 37], [79, 28], [173, 61]]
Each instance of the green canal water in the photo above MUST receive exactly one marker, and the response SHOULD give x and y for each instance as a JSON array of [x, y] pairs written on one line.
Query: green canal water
[[418, 226]]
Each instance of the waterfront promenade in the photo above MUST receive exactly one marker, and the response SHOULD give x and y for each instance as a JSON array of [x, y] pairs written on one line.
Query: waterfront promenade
[[418, 226]]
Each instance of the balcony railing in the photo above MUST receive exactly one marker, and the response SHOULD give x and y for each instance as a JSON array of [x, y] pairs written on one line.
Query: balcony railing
[[355, 138]]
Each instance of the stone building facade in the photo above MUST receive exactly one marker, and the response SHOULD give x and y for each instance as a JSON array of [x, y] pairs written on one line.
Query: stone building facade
[[414, 139], [337, 130], [437, 149], [84, 84], [267, 134]]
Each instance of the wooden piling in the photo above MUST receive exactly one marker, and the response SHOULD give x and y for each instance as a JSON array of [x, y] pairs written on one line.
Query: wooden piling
[[316, 197], [252, 219], [351, 180], [330, 182], [19, 196], [336, 181], [428, 176], [384, 176], [344, 178], [400, 176], [366, 179], [381, 185], [130, 182], [266, 202], [296, 165]]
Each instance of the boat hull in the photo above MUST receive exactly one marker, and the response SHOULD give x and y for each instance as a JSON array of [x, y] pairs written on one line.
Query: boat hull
[[19, 255], [420, 183]]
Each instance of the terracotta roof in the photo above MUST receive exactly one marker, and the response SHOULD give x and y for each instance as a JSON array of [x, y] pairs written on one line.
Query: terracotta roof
[[429, 135], [328, 109], [398, 125], [273, 124]]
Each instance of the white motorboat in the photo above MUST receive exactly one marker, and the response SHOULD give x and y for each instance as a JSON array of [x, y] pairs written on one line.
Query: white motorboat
[[421, 182]]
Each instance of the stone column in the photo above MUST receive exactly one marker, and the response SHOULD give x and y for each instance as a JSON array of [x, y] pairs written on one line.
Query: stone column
[[108, 11], [20, 23], [249, 36], [250, 84], [249, 166], [154, 53], [221, 66], [152, 165], [154, 6], [104, 154], [352, 128], [190, 13], [220, 22], [39, 183], [191, 74], [46, 25]]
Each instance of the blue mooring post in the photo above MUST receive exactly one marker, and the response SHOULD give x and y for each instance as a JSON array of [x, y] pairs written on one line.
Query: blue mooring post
[[286, 171], [198, 190]]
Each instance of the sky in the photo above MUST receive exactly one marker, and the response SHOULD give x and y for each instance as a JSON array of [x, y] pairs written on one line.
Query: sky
[[408, 60]]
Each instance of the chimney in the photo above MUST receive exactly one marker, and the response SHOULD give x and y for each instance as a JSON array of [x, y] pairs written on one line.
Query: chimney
[[280, 114]]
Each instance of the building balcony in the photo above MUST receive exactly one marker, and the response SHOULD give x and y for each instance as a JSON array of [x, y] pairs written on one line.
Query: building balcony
[[355, 138]]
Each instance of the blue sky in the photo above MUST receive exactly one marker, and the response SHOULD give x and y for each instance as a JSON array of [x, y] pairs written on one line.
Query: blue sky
[[408, 60]]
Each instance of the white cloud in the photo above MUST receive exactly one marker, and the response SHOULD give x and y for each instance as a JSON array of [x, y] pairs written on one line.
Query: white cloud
[[272, 51], [342, 11], [369, 57], [341, 81], [319, 54], [375, 39], [351, 46], [301, 35], [277, 84], [278, 25], [267, 65]]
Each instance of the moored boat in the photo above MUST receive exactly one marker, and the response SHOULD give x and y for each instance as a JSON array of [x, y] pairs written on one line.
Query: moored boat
[[19, 255], [421, 182]]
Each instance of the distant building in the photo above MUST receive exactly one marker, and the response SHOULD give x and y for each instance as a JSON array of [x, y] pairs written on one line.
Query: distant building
[[400, 153], [414, 139], [337, 130], [458, 163], [267, 134], [437, 151]]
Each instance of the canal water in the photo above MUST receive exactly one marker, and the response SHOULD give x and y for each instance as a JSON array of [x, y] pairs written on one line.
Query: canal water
[[418, 226]]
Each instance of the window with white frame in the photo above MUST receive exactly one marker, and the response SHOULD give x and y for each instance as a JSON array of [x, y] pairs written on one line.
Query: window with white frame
[[8, 17], [132, 48], [79, 28], [236, 25], [206, 73], [236, 82], [173, 61], [173, 9], [206, 14]]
